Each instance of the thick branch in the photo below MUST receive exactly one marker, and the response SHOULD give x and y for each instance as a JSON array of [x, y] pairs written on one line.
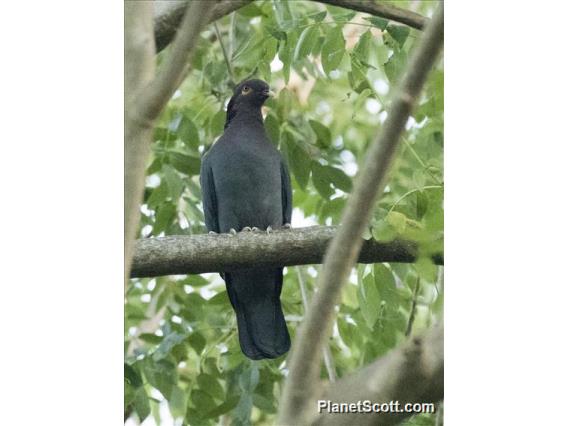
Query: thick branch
[[168, 16], [411, 373], [304, 361], [145, 97], [197, 254], [383, 10]]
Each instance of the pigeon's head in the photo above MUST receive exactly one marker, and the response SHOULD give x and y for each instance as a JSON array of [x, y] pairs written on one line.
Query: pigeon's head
[[247, 98], [250, 93]]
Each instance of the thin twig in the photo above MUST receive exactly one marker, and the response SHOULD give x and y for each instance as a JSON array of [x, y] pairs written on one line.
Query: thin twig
[[327, 356], [413, 308], [227, 61]]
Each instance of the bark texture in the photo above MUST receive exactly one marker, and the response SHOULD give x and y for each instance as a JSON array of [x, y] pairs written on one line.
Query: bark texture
[[196, 254]]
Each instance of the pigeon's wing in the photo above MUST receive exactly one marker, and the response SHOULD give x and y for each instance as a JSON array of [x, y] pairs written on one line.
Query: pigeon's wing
[[209, 196], [286, 193]]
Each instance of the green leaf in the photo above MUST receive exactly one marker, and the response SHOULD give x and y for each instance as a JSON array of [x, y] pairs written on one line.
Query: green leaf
[[187, 164], [167, 344], [194, 281], [150, 338], [165, 215], [210, 385], [132, 376], [384, 281], [141, 403], [322, 132], [298, 159], [369, 300], [321, 180], [174, 182], [197, 342], [178, 402], [421, 204], [318, 17], [285, 55], [399, 33], [160, 374], [272, 129], [202, 401], [250, 11], [378, 22], [338, 178], [332, 50], [306, 42], [395, 66], [361, 49], [158, 195], [397, 221], [230, 403], [217, 123], [187, 132]]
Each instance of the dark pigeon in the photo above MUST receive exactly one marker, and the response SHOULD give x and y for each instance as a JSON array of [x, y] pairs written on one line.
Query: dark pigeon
[[245, 184]]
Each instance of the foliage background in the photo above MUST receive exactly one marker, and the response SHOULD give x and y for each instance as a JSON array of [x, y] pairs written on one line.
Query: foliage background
[[332, 70]]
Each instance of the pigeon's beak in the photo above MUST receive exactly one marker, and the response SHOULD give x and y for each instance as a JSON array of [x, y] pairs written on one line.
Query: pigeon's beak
[[268, 93]]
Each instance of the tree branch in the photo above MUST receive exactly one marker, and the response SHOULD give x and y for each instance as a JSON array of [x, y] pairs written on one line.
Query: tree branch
[[297, 401], [382, 10], [411, 373], [196, 254], [146, 96], [168, 16]]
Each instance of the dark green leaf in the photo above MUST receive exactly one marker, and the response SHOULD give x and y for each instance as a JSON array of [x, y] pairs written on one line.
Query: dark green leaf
[[167, 344], [321, 180], [158, 195], [378, 22], [384, 280], [150, 338], [322, 132], [202, 401], [399, 33], [225, 407], [160, 374], [210, 385], [141, 403], [165, 215], [338, 178], [298, 159], [318, 17], [197, 342], [186, 164], [188, 133], [194, 281], [132, 376]]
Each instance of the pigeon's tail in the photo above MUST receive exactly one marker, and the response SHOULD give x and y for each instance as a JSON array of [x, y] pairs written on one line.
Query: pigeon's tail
[[255, 296]]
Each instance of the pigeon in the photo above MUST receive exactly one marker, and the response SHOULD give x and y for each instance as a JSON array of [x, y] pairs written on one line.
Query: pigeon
[[246, 186]]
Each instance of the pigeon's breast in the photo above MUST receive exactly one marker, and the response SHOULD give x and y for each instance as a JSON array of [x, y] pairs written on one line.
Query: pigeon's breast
[[248, 186]]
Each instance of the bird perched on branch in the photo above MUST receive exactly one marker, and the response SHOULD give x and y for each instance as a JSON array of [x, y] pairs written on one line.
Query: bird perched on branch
[[246, 187]]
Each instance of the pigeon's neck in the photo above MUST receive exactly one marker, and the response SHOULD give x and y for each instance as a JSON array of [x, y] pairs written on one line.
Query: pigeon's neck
[[250, 118]]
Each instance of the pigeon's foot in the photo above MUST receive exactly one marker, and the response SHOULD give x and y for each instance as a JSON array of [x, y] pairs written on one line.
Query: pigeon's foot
[[213, 233], [232, 231], [246, 229], [287, 226], [269, 229], [255, 229]]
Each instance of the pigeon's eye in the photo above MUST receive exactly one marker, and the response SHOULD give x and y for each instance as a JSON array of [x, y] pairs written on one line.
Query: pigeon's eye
[[246, 90]]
